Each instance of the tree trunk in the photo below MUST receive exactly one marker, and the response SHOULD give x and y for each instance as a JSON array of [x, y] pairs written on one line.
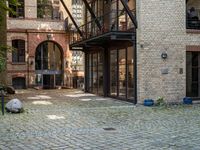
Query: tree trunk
[[3, 41]]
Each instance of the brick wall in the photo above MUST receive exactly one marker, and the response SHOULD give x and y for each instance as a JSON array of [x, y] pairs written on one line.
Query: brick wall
[[161, 29], [34, 31], [33, 39]]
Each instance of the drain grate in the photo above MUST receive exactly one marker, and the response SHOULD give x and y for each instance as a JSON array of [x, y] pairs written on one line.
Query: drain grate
[[109, 129]]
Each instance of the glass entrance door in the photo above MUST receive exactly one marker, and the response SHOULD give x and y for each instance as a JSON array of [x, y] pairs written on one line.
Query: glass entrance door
[[48, 81], [48, 65], [193, 74], [122, 73]]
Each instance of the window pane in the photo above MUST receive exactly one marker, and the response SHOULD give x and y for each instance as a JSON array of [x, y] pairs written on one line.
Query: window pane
[[130, 77], [95, 83], [19, 10], [44, 9], [113, 72], [38, 59], [100, 73], [122, 73], [18, 54]]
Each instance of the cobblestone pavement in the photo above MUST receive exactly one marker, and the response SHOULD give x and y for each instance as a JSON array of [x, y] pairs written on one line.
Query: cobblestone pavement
[[70, 119]]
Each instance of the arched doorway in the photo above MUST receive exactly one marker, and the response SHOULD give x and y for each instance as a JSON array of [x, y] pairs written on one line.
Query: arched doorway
[[48, 65]]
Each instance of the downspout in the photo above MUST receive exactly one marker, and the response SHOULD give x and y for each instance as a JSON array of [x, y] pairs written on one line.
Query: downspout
[[28, 57]]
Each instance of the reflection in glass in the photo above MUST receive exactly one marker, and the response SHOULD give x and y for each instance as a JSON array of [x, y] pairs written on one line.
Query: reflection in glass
[[113, 73], [130, 90], [95, 73], [48, 65], [48, 57], [192, 74], [90, 73], [122, 73], [100, 73], [95, 83]]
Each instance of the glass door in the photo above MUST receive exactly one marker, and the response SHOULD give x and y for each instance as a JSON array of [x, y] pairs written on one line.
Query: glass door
[[192, 74]]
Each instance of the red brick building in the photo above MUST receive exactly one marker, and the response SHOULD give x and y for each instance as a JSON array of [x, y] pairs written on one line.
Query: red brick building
[[39, 33]]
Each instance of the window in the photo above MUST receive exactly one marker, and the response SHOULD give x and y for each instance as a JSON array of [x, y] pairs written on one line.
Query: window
[[48, 10], [44, 9], [56, 13], [18, 54], [18, 9]]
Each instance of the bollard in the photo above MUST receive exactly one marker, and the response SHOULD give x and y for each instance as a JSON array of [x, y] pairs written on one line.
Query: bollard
[[2, 102]]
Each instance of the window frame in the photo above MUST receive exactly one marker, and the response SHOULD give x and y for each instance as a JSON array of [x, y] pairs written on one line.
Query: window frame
[[19, 52], [18, 13]]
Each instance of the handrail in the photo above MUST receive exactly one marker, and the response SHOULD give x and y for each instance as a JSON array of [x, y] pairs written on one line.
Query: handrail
[[111, 21]]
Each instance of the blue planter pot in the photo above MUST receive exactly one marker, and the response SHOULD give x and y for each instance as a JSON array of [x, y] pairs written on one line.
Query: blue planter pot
[[187, 100], [148, 102]]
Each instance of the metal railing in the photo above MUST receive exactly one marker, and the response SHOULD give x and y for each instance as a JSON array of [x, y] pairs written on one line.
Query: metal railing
[[110, 21]]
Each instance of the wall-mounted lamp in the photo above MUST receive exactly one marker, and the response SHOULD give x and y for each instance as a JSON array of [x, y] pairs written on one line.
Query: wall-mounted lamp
[[49, 36], [164, 55]]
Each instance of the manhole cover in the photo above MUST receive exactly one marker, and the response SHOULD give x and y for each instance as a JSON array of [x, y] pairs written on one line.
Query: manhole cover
[[109, 129]]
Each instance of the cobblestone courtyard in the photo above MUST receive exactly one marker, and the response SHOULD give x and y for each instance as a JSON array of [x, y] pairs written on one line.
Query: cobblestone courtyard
[[69, 119]]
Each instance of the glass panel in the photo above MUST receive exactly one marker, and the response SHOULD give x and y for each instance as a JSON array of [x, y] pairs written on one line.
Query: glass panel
[[44, 9], [100, 73], [58, 58], [90, 73], [192, 74], [113, 73], [38, 79], [95, 81], [45, 56], [51, 56], [38, 59], [122, 73], [58, 79], [18, 54], [19, 9], [130, 78]]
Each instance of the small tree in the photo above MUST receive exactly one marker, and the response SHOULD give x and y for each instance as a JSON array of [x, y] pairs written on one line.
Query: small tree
[[3, 40], [3, 46]]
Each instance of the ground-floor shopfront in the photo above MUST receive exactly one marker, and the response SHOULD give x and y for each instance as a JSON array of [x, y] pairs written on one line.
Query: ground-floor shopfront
[[111, 72]]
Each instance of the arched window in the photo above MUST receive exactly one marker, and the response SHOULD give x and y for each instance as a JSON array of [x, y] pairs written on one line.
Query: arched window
[[18, 54], [48, 65], [48, 56], [19, 10]]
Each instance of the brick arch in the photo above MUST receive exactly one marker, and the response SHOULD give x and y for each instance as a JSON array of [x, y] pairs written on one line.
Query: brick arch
[[59, 46], [40, 38]]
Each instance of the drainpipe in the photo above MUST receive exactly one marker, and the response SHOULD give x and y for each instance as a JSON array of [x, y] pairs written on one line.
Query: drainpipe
[[135, 65], [28, 58]]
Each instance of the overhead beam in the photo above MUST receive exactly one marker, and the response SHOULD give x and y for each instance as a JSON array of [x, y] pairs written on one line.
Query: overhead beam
[[92, 14], [132, 17], [72, 19]]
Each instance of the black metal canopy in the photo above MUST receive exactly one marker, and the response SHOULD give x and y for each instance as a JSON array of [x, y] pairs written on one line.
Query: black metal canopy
[[103, 40]]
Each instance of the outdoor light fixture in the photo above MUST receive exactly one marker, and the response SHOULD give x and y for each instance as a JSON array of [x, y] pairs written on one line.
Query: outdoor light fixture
[[49, 36], [164, 55]]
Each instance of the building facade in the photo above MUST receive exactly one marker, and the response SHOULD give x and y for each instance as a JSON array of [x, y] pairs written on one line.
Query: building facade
[[141, 49], [39, 32]]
